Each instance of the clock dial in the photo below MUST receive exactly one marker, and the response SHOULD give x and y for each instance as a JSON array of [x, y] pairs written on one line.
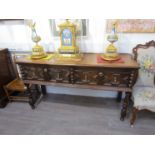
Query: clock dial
[[67, 37]]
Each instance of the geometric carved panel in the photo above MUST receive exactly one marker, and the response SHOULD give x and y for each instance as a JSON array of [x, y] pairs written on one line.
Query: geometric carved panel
[[79, 75]]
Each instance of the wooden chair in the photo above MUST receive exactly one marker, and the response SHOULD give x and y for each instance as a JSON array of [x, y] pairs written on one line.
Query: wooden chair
[[143, 94], [16, 90]]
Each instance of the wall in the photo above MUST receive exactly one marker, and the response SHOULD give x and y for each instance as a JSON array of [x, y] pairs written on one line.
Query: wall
[[19, 38]]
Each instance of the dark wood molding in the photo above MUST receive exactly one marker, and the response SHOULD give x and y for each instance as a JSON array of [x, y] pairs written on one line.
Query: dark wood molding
[[144, 46]]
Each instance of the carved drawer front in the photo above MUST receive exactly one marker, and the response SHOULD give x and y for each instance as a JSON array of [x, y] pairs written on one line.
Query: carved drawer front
[[116, 77], [32, 72], [59, 74], [103, 76], [79, 75], [72, 75], [86, 76]]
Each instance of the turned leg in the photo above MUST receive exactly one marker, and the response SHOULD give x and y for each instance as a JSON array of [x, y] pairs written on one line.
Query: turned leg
[[119, 96], [125, 106], [30, 95], [37, 89], [130, 100], [36, 93], [7, 93], [43, 89], [32, 103], [134, 116]]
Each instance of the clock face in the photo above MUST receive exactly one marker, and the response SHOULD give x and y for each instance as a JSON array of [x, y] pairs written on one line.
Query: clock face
[[66, 37]]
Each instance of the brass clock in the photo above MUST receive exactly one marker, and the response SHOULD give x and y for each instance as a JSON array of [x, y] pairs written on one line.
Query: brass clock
[[67, 34]]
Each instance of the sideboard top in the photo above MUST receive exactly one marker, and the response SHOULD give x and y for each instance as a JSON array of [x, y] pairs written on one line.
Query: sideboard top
[[89, 60]]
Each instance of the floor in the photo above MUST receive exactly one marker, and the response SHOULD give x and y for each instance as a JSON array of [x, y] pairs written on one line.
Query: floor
[[72, 115]]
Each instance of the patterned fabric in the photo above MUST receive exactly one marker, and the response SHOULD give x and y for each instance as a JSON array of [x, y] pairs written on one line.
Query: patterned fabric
[[144, 98], [144, 90], [146, 59]]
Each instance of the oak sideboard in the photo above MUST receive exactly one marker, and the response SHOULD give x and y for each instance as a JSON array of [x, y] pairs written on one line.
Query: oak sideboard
[[87, 73]]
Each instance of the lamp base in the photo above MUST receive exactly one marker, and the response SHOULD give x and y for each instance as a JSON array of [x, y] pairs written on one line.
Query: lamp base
[[110, 58], [39, 56], [38, 52], [111, 48], [69, 57]]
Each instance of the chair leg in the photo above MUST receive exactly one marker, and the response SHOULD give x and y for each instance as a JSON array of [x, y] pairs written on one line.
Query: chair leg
[[134, 116], [37, 89], [31, 100], [7, 93], [125, 106], [31, 103], [119, 96]]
